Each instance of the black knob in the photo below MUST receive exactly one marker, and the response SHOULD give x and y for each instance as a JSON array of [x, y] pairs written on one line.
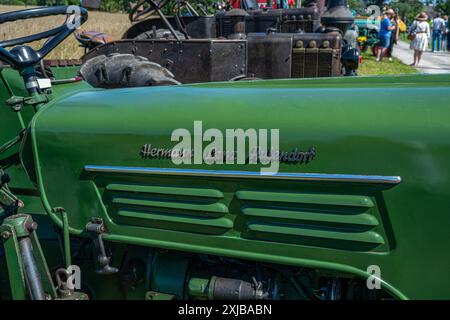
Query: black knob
[[5, 178]]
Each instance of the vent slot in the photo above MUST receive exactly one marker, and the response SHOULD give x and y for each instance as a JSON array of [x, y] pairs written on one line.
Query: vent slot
[[338, 221], [195, 210]]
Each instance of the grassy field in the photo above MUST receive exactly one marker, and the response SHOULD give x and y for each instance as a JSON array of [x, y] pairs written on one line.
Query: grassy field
[[113, 24], [371, 67]]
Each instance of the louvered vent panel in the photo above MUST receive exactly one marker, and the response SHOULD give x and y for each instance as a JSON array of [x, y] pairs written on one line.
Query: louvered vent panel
[[325, 220], [196, 210]]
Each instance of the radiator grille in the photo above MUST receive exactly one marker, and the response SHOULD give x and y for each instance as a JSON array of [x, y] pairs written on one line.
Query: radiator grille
[[313, 62]]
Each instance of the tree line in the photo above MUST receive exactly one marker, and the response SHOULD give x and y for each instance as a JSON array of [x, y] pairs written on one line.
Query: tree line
[[106, 5], [407, 9]]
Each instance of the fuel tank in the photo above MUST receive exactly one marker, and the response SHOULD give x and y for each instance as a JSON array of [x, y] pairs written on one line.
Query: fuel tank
[[363, 175]]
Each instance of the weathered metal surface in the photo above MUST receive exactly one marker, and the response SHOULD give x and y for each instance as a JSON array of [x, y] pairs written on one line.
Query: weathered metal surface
[[306, 55], [222, 24], [189, 60], [281, 20], [271, 56], [196, 27]]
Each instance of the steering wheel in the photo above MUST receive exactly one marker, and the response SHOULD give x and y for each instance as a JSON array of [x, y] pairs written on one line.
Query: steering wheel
[[136, 16], [22, 56]]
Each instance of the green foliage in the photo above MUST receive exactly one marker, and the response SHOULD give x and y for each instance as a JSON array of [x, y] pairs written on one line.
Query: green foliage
[[115, 5], [106, 5], [443, 6], [380, 3], [354, 4], [408, 9], [14, 2], [39, 2]]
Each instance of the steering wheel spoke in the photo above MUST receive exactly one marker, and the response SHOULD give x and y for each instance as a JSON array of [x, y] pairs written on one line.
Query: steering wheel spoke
[[22, 56], [23, 40]]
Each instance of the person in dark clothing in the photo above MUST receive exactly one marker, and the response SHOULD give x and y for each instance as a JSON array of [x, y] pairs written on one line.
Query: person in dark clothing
[[447, 31], [394, 35]]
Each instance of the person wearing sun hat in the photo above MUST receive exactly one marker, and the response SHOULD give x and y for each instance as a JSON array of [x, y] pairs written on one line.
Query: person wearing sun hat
[[419, 33], [385, 33]]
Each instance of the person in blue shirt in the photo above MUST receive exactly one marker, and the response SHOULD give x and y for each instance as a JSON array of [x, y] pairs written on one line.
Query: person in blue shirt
[[385, 33]]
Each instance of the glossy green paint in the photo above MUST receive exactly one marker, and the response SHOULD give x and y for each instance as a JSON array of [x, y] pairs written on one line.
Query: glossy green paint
[[15, 267], [11, 123], [372, 126], [13, 229], [362, 126]]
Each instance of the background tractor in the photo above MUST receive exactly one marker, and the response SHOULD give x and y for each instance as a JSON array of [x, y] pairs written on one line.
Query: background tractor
[[234, 44]]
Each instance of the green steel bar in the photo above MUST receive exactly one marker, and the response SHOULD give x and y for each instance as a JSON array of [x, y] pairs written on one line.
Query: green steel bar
[[14, 262], [66, 237], [11, 93]]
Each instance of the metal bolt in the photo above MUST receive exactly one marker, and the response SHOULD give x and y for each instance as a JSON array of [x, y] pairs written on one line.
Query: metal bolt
[[31, 226], [6, 234]]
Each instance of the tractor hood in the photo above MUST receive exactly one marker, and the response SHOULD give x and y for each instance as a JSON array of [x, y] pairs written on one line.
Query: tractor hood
[[365, 170]]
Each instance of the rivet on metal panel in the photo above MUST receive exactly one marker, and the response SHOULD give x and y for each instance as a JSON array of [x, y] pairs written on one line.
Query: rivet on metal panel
[[6, 234]]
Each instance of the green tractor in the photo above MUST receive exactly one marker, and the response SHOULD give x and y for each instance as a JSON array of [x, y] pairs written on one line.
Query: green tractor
[[122, 193]]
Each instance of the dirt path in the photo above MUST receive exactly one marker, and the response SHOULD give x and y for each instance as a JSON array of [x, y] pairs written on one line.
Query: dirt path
[[438, 62]]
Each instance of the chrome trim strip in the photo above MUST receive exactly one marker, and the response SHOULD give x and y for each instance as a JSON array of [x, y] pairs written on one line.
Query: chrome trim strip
[[247, 174]]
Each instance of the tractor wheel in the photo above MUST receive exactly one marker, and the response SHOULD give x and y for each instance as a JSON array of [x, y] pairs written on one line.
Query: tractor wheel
[[159, 34], [125, 70]]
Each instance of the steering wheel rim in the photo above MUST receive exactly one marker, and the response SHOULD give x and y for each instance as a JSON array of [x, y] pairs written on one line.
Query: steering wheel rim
[[55, 36], [135, 16]]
